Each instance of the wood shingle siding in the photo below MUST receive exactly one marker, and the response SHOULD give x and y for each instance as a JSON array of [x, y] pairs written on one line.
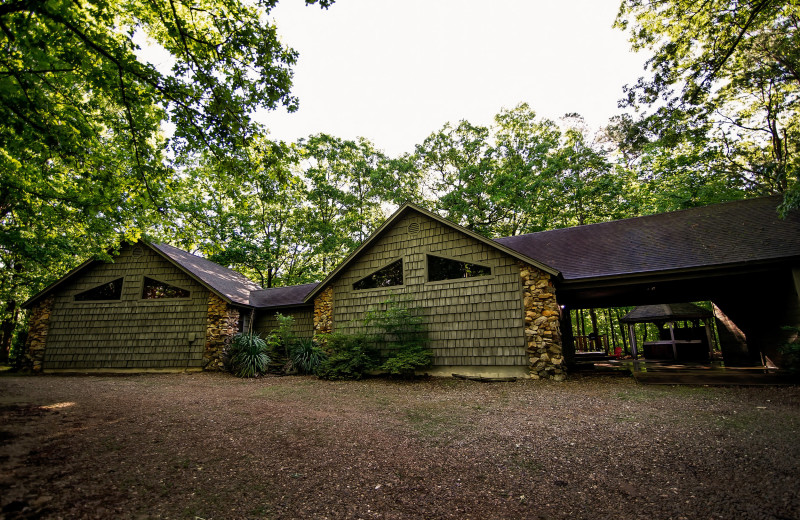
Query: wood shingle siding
[[474, 321], [131, 332], [266, 321]]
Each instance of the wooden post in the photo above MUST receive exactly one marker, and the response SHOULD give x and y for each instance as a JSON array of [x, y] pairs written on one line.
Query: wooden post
[[613, 333], [672, 338], [632, 333], [710, 339], [622, 333]]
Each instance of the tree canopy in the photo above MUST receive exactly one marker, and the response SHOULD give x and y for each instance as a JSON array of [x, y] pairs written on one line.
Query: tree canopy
[[84, 157], [724, 82]]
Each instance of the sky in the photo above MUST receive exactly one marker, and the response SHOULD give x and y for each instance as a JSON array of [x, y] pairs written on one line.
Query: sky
[[395, 71]]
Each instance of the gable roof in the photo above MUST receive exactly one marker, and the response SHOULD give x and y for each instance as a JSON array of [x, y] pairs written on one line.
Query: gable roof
[[227, 283], [401, 212], [231, 286], [724, 234], [290, 296]]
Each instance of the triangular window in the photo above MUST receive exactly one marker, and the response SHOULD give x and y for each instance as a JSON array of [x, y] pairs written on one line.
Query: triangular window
[[155, 290], [446, 269], [108, 291], [388, 276]]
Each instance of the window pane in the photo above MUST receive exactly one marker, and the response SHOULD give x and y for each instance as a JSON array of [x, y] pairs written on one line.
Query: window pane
[[390, 275], [445, 269], [153, 290], [107, 291]]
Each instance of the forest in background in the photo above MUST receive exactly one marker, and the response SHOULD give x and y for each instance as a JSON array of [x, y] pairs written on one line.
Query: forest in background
[[86, 164]]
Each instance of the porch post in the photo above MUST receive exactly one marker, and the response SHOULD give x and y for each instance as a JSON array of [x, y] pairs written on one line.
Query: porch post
[[632, 334], [672, 338]]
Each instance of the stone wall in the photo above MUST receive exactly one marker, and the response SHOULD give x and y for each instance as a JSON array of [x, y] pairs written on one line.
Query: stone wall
[[542, 334], [222, 325], [323, 312], [39, 325]]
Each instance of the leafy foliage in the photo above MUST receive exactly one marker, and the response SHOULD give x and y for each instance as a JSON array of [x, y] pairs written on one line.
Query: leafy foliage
[[724, 83], [790, 351], [349, 357], [82, 151], [306, 356], [394, 341], [247, 355]]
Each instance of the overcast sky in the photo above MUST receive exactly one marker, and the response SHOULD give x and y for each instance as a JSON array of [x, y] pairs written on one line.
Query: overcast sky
[[394, 71]]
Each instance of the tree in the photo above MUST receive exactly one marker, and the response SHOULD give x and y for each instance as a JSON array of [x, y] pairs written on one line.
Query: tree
[[245, 213], [81, 114], [348, 182], [457, 176], [730, 70]]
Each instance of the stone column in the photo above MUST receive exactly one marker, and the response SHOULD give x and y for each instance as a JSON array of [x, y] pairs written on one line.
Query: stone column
[[38, 327], [542, 333], [222, 325], [323, 312]]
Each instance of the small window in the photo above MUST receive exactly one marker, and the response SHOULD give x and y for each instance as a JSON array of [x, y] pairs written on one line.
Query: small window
[[389, 276], [155, 290], [446, 269], [107, 291]]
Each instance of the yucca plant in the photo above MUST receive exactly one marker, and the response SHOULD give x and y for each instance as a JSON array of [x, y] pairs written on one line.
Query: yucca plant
[[306, 356], [248, 355]]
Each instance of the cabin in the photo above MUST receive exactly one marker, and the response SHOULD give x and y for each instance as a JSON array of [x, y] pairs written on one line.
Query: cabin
[[492, 308], [156, 307]]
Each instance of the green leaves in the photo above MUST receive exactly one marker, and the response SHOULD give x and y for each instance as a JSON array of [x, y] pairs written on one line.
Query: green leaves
[[724, 79]]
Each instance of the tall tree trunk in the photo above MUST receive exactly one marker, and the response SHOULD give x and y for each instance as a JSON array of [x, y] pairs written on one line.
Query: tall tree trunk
[[7, 329], [593, 317]]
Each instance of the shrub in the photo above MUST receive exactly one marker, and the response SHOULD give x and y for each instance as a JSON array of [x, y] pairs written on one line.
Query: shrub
[[246, 356], [350, 356], [395, 342], [306, 356], [400, 333], [407, 359], [790, 351], [279, 344]]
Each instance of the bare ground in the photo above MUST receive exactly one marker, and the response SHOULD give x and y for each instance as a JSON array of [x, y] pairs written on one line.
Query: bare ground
[[212, 446]]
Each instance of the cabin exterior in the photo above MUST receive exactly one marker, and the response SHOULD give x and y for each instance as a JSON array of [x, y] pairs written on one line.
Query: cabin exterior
[[488, 310], [149, 310], [494, 308]]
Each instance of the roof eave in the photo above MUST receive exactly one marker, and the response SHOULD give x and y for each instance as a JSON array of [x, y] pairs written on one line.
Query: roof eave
[[692, 271]]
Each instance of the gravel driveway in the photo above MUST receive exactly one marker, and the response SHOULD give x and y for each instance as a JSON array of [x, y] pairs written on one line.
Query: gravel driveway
[[211, 446]]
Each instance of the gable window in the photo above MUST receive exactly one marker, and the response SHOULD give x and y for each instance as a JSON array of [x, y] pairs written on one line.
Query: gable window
[[446, 269], [108, 291], [388, 276], [155, 290]]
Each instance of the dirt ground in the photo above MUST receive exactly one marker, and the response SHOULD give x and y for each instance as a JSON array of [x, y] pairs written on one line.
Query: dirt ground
[[210, 446]]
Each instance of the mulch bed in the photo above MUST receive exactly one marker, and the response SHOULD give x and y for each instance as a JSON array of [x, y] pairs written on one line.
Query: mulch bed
[[211, 446]]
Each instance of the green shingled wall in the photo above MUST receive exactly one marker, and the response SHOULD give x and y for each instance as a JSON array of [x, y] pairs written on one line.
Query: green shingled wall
[[471, 321], [130, 333], [266, 322]]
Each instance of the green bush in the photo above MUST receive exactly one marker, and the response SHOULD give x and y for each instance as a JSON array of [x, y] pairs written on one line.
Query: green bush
[[407, 359], [350, 356], [306, 356], [395, 341], [279, 344], [400, 334], [790, 351], [247, 355]]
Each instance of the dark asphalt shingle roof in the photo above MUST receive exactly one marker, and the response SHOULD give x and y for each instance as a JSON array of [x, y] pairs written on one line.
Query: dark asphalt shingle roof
[[234, 286], [666, 312], [721, 234], [281, 296]]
